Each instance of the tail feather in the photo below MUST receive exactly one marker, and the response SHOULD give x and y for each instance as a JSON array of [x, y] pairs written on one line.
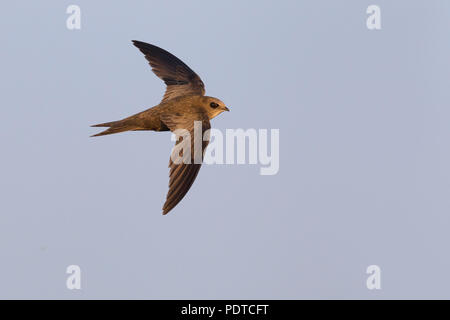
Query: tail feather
[[114, 127], [106, 124]]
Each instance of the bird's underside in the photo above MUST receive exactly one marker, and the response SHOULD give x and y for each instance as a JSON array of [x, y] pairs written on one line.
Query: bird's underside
[[183, 104]]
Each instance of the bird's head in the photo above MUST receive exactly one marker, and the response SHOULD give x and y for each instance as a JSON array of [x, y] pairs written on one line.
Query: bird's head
[[213, 106]]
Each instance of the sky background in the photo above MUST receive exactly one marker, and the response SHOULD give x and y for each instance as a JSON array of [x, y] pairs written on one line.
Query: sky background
[[364, 151]]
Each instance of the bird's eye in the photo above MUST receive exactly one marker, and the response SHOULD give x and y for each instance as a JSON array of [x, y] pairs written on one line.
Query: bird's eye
[[213, 105]]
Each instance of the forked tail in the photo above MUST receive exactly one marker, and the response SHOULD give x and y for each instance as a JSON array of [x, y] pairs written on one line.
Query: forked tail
[[115, 127]]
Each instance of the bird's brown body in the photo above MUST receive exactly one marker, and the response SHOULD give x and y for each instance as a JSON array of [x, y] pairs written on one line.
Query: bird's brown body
[[184, 103], [150, 119]]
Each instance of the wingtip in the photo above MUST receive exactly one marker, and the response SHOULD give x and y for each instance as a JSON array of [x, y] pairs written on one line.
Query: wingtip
[[166, 209], [136, 43], [141, 45]]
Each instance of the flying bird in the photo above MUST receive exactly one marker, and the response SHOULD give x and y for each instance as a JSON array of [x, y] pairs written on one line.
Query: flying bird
[[184, 103]]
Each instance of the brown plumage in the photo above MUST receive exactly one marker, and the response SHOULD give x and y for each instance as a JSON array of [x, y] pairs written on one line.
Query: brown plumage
[[184, 104]]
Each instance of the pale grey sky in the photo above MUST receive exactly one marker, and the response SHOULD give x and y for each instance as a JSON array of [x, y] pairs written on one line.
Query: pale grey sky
[[364, 151]]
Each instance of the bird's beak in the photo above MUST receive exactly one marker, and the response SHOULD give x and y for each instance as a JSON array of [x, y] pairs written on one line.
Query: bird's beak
[[225, 109]]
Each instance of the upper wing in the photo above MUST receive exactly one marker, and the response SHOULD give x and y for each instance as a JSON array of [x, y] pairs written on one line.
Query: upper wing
[[179, 78], [183, 174]]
